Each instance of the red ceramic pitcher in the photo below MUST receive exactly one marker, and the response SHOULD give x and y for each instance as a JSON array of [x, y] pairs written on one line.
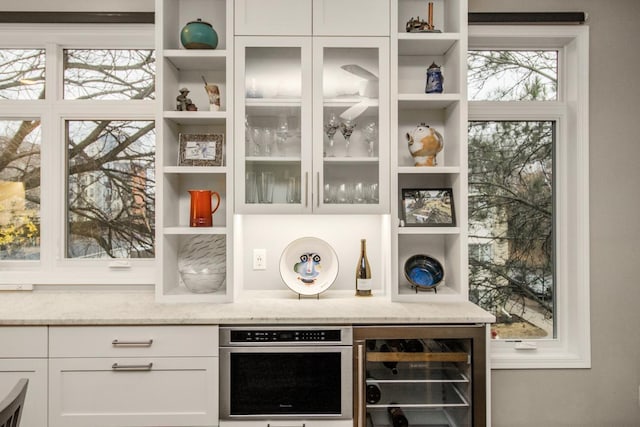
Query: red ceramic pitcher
[[201, 214]]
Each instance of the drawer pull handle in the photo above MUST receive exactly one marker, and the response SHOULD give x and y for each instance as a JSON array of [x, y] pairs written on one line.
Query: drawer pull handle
[[117, 367], [269, 425], [118, 343]]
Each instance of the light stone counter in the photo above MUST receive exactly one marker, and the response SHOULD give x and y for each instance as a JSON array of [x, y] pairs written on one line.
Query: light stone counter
[[140, 307]]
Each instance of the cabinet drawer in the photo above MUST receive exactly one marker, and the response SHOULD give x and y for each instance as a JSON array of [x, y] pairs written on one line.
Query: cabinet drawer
[[23, 341], [133, 341], [168, 392], [273, 17]]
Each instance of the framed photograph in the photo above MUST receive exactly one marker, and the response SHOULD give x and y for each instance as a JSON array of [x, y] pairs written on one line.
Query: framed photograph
[[200, 149], [428, 207]]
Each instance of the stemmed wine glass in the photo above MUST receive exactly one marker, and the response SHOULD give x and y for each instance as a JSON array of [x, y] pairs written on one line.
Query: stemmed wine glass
[[346, 128], [282, 133], [330, 130], [370, 133]]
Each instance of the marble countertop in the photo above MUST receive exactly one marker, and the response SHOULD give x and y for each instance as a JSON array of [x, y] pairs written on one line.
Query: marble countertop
[[140, 307]]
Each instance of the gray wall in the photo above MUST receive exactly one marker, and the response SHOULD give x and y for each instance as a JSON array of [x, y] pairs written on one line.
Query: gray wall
[[607, 394]]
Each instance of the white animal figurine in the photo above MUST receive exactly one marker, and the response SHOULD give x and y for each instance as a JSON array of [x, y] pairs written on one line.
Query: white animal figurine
[[424, 144]]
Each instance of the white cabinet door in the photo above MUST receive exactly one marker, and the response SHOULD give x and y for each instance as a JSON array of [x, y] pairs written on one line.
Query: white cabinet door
[[273, 17], [351, 103], [35, 370], [134, 392], [351, 17], [273, 120]]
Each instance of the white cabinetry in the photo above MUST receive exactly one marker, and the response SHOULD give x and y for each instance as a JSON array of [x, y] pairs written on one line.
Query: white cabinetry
[[186, 68], [273, 17], [351, 17], [446, 112], [134, 376], [287, 90], [312, 17], [23, 354]]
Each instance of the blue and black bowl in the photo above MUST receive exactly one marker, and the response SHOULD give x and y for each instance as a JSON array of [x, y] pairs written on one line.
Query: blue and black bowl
[[423, 271]]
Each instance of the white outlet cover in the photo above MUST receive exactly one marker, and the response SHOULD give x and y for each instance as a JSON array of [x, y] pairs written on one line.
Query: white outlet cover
[[259, 259]]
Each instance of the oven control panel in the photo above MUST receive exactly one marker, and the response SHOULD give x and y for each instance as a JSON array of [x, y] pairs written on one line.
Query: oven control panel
[[288, 336]]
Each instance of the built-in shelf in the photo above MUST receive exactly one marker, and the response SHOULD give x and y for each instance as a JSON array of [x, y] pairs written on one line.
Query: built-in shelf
[[196, 59], [426, 44], [196, 117]]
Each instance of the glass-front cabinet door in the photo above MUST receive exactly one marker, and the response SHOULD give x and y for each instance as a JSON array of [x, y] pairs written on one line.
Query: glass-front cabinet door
[[312, 125], [273, 124], [350, 126]]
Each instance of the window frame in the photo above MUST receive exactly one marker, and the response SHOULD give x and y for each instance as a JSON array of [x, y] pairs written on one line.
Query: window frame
[[54, 268], [571, 346]]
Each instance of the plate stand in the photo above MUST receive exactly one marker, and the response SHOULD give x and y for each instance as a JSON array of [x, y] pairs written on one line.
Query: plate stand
[[301, 296], [434, 290]]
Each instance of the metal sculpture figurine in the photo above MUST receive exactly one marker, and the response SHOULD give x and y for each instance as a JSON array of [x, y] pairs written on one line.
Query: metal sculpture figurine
[[420, 26]]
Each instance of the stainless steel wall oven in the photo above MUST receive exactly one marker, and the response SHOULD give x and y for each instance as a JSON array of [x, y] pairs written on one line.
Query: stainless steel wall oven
[[286, 372]]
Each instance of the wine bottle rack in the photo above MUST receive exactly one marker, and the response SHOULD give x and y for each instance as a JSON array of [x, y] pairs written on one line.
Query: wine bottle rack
[[433, 375]]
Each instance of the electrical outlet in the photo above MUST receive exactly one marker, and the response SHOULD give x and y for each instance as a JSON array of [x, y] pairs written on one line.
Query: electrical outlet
[[259, 259]]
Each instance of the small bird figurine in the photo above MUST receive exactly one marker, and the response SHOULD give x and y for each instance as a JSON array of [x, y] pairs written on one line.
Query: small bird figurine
[[308, 267]]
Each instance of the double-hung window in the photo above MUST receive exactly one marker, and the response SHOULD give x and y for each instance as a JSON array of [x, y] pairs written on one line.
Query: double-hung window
[[528, 191], [77, 154]]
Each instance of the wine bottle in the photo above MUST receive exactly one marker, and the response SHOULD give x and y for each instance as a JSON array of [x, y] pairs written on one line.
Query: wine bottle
[[414, 346], [373, 393], [363, 272], [397, 417], [384, 348]]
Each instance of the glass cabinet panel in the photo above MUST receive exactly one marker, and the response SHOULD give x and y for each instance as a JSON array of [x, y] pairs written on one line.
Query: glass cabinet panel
[[351, 101], [275, 115], [312, 124]]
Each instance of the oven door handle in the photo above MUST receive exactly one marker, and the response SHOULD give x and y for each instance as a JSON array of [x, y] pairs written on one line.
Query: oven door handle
[[269, 425], [360, 380]]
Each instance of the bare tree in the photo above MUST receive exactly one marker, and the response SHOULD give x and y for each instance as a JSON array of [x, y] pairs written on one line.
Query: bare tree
[[511, 187], [110, 164]]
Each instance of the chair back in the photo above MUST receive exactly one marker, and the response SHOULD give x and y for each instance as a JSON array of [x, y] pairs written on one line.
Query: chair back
[[11, 406]]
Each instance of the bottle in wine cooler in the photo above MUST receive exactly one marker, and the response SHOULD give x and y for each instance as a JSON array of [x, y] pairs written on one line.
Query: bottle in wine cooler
[[398, 418], [373, 393], [363, 272], [393, 366]]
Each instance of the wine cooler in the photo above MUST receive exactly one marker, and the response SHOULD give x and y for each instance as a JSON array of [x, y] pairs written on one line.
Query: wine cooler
[[420, 376]]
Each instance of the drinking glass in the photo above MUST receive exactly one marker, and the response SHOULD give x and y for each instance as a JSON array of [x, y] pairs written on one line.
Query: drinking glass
[[282, 134], [251, 188], [330, 129], [359, 193], [329, 195], [254, 136], [293, 190], [372, 193], [345, 193], [266, 182], [346, 128], [370, 133], [267, 141]]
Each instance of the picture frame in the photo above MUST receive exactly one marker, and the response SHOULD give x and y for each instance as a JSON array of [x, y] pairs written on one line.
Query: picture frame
[[200, 149], [428, 207]]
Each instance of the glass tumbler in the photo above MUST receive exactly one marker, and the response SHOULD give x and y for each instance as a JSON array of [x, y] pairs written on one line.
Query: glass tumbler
[[266, 182]]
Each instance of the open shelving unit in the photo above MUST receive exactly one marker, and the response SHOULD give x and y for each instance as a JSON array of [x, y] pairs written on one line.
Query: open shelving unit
[[177, 68], [446, 112]]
